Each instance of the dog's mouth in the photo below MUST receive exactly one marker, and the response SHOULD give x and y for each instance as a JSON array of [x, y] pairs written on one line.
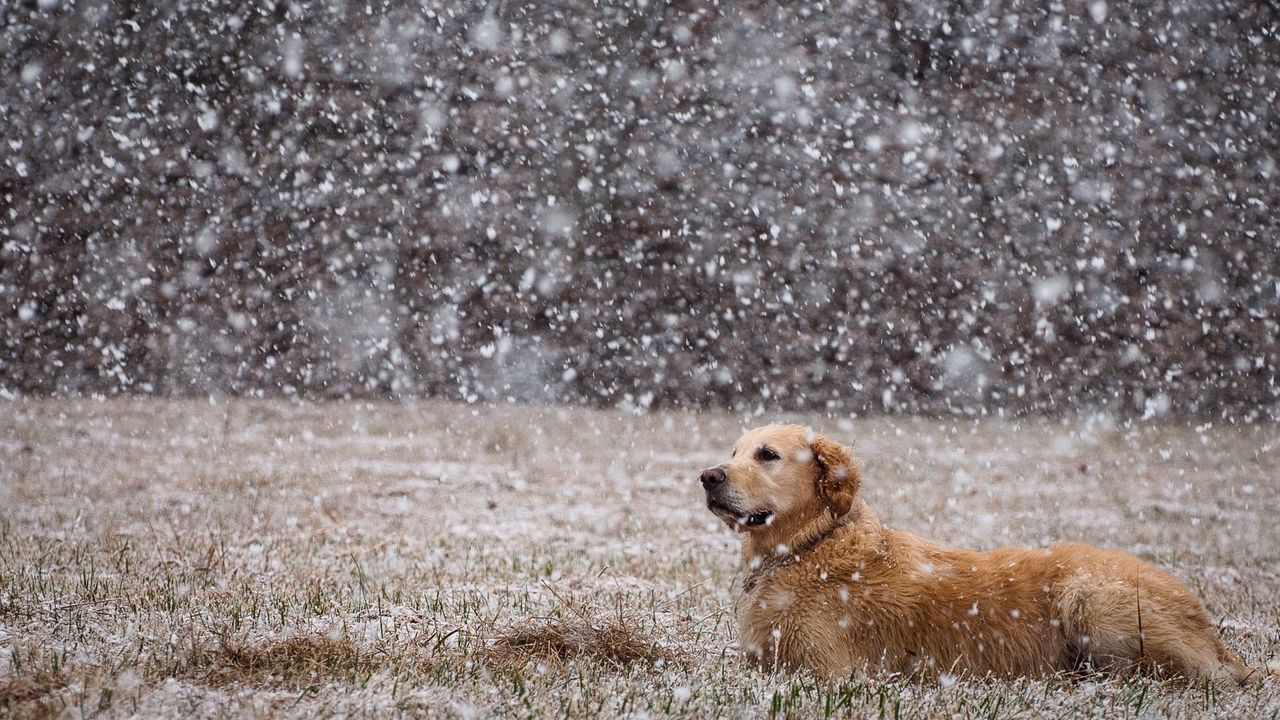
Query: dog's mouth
[[738, 519]]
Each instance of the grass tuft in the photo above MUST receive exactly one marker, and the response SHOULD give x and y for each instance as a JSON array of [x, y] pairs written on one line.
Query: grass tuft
[[21, 689], [296, 661], [613, 642]]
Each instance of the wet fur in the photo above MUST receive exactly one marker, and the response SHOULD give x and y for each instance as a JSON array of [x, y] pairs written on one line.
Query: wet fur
[[831, 589]]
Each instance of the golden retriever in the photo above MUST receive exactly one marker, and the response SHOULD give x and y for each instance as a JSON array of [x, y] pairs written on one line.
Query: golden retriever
[[831, 589]]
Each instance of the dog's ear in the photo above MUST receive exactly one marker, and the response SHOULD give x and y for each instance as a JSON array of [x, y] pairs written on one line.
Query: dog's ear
[[838, 475]]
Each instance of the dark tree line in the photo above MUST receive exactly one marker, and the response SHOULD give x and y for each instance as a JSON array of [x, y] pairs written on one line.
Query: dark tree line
[[906, 206]]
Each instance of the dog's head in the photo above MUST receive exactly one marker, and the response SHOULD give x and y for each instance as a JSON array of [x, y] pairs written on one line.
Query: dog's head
[[780, 477]]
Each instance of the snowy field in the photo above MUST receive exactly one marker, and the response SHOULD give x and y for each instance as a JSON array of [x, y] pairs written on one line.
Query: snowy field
[[166, 558]]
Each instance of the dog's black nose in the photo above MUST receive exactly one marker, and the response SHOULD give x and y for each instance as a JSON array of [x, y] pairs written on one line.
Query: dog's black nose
[[711, 477]]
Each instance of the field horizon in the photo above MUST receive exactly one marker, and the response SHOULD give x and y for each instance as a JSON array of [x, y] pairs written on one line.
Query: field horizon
[[249, 558]]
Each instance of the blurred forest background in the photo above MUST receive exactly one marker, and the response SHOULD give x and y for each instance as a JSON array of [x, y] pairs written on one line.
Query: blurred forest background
[[961, 206]]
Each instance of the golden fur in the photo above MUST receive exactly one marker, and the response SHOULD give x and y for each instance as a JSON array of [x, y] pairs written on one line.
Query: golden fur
[[829, 588]]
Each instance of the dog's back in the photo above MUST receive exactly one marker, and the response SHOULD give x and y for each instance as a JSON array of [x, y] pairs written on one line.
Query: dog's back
[[870, 598], [903, 604]]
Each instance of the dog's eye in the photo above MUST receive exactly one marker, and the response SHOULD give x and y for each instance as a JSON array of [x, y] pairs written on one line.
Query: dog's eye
[[764, 454]]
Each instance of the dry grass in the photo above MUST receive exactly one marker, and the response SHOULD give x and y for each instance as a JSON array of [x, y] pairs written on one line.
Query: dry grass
[[616, 640], [613, 642], [294, 662], [22, 690], [250, 559]]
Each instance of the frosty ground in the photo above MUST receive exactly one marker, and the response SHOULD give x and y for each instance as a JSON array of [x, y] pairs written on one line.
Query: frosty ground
[[250, 558]]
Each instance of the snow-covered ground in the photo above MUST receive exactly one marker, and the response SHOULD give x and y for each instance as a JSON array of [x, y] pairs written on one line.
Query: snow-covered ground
[[251, 558]]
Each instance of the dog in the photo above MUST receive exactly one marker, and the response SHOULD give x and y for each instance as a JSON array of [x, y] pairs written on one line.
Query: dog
[[830, 589]]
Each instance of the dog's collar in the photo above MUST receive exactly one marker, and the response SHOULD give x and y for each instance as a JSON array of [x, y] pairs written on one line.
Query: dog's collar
[[767, 565]]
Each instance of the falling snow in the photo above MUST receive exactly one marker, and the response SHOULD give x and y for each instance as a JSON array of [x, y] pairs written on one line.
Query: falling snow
[[901, 206]]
